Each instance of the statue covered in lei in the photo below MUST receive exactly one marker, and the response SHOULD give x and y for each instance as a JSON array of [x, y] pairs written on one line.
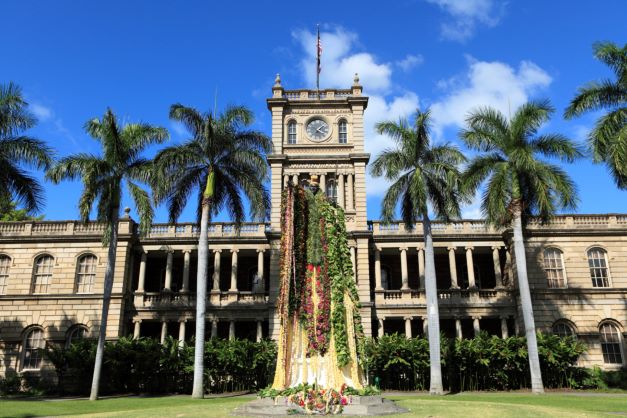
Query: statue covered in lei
[[318, 307]]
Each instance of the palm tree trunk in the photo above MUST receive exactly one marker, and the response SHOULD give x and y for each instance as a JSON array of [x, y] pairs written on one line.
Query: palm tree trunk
[[106, 300], [433, 316], [198, 389], [525, 301]]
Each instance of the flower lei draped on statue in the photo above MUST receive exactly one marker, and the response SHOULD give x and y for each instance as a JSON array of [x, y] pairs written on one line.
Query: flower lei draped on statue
[[321, 335]]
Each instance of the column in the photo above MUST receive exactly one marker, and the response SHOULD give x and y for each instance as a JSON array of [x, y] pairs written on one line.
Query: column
[[181, 332], [142, 272], [350, 195], [323, 183], [425, 326], [137, 328], [233, 287], [216, 270], [286, 178], [498, 275], [458, 329], [232, 330], [295, 179], [186, 261], [516, 326], [261, 285], [421, 267], [168, 271], [408, 326], [380, 331], [453, 267], [475, 325], [353, 262], [404, 276], [259, 330], [509, 268], [164, 330], [504, 330], [341, 191], [377, 269], [471, 268], [214, 328]]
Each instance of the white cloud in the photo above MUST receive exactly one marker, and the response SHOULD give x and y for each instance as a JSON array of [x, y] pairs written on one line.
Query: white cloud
[[466, 15], [340, 62], [409, 62], [493, 84], [42, 113], [379, 109], [45, 114], [179, 129]]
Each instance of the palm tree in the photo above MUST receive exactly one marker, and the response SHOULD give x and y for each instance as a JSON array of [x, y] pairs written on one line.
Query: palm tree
[[519, 185], [221, 162], [424, 175], [608, 139], [17, 149], [104, 177]]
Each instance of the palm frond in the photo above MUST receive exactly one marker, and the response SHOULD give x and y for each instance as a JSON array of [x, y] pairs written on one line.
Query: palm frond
[[557, 146], [594, 96]]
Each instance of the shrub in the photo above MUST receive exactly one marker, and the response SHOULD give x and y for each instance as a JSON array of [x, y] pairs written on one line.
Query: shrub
[[11, 384]]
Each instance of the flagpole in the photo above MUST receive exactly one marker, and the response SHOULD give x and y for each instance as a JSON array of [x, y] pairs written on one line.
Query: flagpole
[[318, 64]]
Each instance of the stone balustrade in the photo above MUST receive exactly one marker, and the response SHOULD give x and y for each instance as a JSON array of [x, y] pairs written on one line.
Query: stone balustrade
[[150, 300], [461, 297], [253, 229], [55, 228], [326, 94], [463, 227]]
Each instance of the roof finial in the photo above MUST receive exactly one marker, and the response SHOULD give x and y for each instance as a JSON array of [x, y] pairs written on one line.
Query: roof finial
[[356, 80], [277, 80]]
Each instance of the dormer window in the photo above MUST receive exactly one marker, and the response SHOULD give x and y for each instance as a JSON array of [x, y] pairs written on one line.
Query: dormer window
[[343, 131], [291, 132]]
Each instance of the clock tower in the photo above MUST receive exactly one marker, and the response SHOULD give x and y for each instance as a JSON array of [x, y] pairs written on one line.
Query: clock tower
[[321, 132]]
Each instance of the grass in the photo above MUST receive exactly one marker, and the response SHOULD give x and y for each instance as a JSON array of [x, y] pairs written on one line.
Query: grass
[[484, 405]]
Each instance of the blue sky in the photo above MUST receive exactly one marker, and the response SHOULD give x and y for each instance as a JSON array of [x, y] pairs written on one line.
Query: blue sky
[[73, 59]]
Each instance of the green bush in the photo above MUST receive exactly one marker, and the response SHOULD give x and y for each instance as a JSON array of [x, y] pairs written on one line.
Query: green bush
[[145, 365], [481, 363], [11, 384]]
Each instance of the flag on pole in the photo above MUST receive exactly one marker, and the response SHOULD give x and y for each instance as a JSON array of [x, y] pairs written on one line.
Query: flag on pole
[[319, 50], [318, 68]]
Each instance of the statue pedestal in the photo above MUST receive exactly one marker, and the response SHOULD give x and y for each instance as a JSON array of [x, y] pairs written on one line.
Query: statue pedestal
[[359, 405]]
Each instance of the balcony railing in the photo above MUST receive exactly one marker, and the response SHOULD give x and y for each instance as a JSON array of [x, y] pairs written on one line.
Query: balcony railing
[[445, 296], [186, 300], [214, 230]]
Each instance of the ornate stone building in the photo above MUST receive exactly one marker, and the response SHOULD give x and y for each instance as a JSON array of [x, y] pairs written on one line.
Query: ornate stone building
[[51, 273]]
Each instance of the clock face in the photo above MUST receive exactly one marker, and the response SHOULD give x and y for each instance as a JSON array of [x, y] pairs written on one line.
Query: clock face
[[317, 130]]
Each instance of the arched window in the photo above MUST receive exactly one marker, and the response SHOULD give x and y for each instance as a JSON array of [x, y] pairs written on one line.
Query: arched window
[[331, 191], [32, 349], [291, 132], [343, 131], [5, 263], [86, 273], [563, 329], [611, 342], [599, 273], [554, 267], [42, 275], [77, 332]]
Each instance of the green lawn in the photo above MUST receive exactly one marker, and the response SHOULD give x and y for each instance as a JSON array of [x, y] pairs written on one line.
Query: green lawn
[[484, 405]]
